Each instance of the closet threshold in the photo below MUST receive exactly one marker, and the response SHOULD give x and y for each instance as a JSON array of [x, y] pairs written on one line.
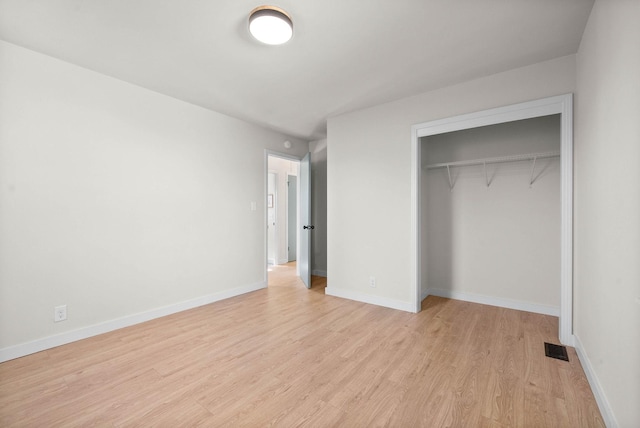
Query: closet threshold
[[500, 159]]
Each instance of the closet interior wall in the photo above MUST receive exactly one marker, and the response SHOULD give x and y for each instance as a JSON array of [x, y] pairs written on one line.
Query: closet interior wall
[[488, 233]]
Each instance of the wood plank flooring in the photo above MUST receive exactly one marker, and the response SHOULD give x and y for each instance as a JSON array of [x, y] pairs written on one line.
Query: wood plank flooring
[[287, 356]]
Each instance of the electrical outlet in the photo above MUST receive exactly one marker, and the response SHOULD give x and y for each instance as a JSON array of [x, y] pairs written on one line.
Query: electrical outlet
[[372, 281], [60, 313]]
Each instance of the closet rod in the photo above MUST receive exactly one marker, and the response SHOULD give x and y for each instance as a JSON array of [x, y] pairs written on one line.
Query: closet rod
[[500, 159]]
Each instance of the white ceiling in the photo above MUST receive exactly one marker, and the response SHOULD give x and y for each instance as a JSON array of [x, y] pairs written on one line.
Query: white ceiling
[[345, 54]]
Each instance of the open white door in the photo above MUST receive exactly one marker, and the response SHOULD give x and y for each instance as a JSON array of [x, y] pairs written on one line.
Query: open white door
[[304, 183]]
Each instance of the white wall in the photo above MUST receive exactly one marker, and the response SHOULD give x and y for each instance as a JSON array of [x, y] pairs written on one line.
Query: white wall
[[499, 243], [281, 167], [116, 200], [607, 206], [369, 176], [318, 151], [272, 241]]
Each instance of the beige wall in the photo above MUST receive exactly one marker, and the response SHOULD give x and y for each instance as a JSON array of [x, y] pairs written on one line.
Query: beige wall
[[116, 200], [607, 204], [369, 175]]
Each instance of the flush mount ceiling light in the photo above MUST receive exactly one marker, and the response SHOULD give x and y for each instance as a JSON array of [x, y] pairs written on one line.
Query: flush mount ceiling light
[[270, 25]]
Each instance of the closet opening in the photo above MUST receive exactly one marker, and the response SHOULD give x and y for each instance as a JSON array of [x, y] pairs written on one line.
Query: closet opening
[[491, 214], [492, 211]]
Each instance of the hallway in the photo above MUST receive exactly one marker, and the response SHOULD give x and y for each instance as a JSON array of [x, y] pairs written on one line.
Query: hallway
[[285, 276]]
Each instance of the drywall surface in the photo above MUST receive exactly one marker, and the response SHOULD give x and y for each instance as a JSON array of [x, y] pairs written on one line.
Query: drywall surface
[[369, 175], [282, 168], [318, 151], [500, 241], [607, 204], [272, 241], [116, 200]]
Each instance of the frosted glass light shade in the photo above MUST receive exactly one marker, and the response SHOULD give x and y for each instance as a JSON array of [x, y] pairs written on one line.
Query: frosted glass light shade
[[270, 25]]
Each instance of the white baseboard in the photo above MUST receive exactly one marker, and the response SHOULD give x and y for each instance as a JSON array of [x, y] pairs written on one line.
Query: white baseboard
[[283, 261], [38, 345], [494, 301], [271, 261], [319, 272], [601, 399], [369, 298]]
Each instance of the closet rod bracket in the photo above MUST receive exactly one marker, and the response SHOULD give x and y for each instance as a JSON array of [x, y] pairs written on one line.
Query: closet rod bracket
[[486, 177], [533, 170]]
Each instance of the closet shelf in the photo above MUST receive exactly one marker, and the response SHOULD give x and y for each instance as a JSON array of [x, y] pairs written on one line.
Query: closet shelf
[[500, 159]]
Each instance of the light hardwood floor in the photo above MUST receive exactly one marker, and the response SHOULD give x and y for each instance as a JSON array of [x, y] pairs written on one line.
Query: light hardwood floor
[[288, 356]]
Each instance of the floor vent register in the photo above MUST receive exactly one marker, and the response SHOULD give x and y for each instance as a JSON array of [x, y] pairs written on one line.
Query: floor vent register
[[558, 352]]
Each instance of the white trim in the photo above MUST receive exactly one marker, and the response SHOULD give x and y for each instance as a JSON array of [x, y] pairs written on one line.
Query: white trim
[[265, 218], [494, 116], [286, 156], [283, 261], [495, 301], [271, 261], [565, 323], [38, 345], [601, 399], [369, 298], [416, 212], [319, 272], [563, 105]]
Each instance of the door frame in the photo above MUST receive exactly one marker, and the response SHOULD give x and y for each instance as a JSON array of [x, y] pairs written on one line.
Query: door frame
[[267, 153], [562, 105]]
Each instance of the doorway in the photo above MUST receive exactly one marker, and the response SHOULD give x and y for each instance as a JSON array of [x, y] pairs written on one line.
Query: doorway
[[288, 209], [559, 105]]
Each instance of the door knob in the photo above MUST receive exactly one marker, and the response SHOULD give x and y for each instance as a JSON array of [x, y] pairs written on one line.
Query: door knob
[[309, 227]]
